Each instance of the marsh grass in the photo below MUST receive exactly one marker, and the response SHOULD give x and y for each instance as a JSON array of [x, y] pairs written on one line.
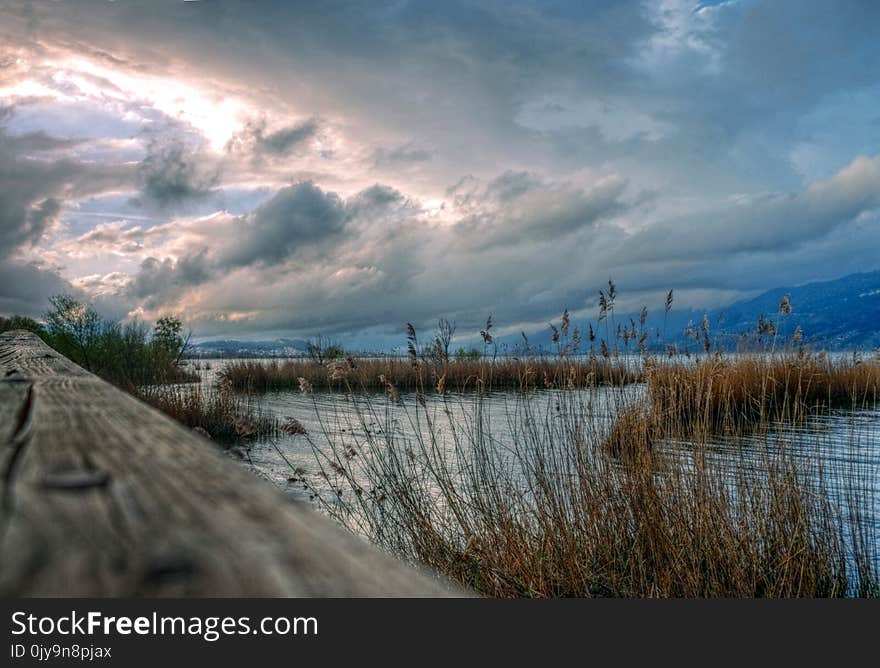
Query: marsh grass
[[690, 476], [550, 510], [716, 394], [374, 375], [708, 480], [226, 416]]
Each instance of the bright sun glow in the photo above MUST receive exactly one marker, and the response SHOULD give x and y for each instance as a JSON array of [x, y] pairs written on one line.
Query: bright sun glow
[[213, 114]]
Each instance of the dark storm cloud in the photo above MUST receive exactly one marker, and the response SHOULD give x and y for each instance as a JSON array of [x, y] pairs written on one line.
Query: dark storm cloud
[[373, 201], [162, 281], [255, 140], [33, 190], [172, 177], [25, 287], [300, 223], [284, 140], [298, 217], [511, 185]]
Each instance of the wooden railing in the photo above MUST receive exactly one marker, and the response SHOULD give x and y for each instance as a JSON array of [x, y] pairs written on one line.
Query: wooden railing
[[103, 495]]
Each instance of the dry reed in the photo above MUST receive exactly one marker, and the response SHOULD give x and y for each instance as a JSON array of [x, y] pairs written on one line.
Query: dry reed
[[729, 395], [374, 375], [692, 485], [550, 510], [225, 416]]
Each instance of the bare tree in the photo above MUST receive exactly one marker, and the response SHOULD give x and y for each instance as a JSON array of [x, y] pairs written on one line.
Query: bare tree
[[443, 338], [75, 328], [321, 350]]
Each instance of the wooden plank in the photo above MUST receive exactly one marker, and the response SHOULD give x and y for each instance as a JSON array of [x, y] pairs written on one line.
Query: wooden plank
[[103, 495]]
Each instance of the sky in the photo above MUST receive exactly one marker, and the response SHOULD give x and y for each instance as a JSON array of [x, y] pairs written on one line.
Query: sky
[[266, 169]]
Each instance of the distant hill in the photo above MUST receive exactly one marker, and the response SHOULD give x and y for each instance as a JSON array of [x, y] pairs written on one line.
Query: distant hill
[[235, 348], [843, 314]]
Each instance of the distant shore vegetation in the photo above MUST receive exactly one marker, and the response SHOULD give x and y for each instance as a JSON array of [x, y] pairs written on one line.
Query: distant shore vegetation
[[146, 362]]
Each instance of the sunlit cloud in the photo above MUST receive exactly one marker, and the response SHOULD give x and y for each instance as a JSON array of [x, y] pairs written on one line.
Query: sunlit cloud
[[274, 169]]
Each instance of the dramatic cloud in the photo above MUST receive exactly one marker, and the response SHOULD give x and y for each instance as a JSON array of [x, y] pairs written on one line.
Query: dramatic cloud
[[170, 177], [767, 223], [256, 139], [297, 217], [348, 167], [34, 187], [26, 287], [158, 283], [517, 208]]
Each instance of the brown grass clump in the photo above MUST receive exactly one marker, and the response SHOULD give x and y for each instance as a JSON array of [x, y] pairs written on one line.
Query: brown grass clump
[[456, 376], [223, 415], [720, 395], [633, 434]]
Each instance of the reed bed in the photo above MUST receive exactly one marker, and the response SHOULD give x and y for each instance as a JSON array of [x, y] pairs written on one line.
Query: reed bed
[[550, 510], [731, 395], [220, 413], [705, 480], [375, 375]]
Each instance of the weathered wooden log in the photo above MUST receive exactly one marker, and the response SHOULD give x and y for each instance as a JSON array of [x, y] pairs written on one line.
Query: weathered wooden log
[[105, 496]]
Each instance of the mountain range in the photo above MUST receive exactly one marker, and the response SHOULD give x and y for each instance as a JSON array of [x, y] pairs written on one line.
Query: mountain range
[[236, 348], [836, 315], [842, 314]]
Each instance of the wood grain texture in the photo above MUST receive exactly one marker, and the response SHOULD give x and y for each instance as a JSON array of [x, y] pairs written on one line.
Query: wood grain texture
[[104, 496]]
